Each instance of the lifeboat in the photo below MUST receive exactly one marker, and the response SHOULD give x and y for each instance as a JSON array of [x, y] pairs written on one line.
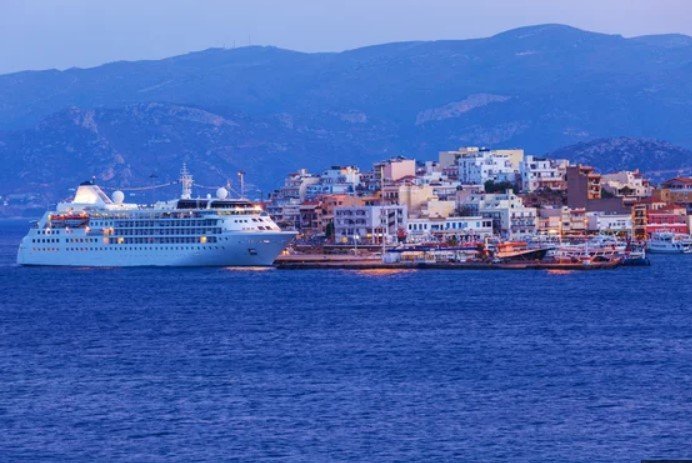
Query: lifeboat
[[71, 219]]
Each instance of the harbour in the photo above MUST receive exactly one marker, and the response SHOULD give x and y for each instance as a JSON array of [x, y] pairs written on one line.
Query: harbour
[[388, 231], [449, 214]]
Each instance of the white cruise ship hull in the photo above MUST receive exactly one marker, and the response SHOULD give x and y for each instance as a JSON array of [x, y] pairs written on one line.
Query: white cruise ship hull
[[235, 249]]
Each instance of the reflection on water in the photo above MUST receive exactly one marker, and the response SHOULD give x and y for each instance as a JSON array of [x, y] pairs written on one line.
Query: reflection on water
[[248, 269], [383, 272], [560, 272]]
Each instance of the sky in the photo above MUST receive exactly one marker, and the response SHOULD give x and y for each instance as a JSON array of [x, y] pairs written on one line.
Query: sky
[[44, 34]]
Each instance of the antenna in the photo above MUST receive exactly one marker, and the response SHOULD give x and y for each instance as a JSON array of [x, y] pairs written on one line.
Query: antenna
[[186, 182], [241, 179]]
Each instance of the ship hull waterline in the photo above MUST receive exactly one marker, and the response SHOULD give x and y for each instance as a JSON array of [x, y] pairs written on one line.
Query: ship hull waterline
[[243, 250]]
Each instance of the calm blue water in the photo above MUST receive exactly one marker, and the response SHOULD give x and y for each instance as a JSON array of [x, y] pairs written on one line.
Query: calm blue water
[[219, 364]]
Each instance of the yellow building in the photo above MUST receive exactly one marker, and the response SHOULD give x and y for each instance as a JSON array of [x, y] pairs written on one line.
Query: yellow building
[[438, 208], [515, 156]]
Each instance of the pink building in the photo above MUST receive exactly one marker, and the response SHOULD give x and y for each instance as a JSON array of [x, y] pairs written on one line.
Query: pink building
[[396, 169]]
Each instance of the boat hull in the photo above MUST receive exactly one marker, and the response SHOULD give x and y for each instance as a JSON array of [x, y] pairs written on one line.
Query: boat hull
[[240, 249], [654, 250], [525, 255]]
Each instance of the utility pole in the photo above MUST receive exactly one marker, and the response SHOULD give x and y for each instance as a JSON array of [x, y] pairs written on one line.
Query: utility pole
[[383, 222]]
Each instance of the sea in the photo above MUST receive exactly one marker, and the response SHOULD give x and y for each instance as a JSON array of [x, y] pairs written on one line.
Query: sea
[[232, 364]]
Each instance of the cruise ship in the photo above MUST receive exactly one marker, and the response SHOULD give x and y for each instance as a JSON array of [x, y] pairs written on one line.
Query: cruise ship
[[94, 229]]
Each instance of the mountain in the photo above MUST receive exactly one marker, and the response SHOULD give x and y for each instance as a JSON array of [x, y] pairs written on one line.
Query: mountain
[[124, 147], [269, 111], [657, 158]]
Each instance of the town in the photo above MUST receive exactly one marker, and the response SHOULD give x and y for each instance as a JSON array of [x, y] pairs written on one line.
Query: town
[[472, 195]]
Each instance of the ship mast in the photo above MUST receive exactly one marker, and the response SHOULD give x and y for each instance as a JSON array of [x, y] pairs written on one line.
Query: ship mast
[[241, 177], [186, 183]]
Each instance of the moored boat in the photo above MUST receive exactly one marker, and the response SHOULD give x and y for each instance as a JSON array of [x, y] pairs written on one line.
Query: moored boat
[[518, 251], [669, 243]]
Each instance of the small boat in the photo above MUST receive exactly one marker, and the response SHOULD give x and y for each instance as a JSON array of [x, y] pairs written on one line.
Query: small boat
[[635, 255], [518, 251], [70, 219], [601, 248], [669, 243]]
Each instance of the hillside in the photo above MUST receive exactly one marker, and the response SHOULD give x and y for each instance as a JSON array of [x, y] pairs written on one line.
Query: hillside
[[123, 147], [657, 158], [548, 85], [268, 111]]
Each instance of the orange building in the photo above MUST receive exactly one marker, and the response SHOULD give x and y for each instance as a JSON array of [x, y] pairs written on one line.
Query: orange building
[[676, 191]]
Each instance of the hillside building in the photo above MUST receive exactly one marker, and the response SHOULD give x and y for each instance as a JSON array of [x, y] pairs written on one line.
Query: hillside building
[[509, 215], [676, 191], [584, 191], [369, 224], [489, 165], [336, 180], [543, 173], [629, 185]]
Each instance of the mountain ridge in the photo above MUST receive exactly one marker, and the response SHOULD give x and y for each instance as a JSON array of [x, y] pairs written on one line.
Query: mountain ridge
[[657, 158], [441, 63], [125, 147], [268, 111]]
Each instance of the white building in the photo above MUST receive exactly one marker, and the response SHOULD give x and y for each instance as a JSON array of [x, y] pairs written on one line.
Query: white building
[[336, 180], [483, 165], [445, 189], [285, 213], [367, 224], [509, 215], [295, 186], [462, 228], [537, 173], [284, 204], [609, 223], [448, 159], [626, 184]]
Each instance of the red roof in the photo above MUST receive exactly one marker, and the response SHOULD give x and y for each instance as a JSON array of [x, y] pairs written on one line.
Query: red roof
[[683, 180]]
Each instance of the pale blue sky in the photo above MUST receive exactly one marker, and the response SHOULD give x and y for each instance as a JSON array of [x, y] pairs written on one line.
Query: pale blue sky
[[40, 34]]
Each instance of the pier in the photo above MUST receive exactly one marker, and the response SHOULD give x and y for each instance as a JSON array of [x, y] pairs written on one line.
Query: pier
[[319, 261]]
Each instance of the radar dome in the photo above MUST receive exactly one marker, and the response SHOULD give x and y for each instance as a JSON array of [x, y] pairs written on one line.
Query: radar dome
[[118, 197], [222, 193]]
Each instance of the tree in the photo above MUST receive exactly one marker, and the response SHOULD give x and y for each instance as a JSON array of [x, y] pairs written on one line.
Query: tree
[[329, 230], [491, 187]]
